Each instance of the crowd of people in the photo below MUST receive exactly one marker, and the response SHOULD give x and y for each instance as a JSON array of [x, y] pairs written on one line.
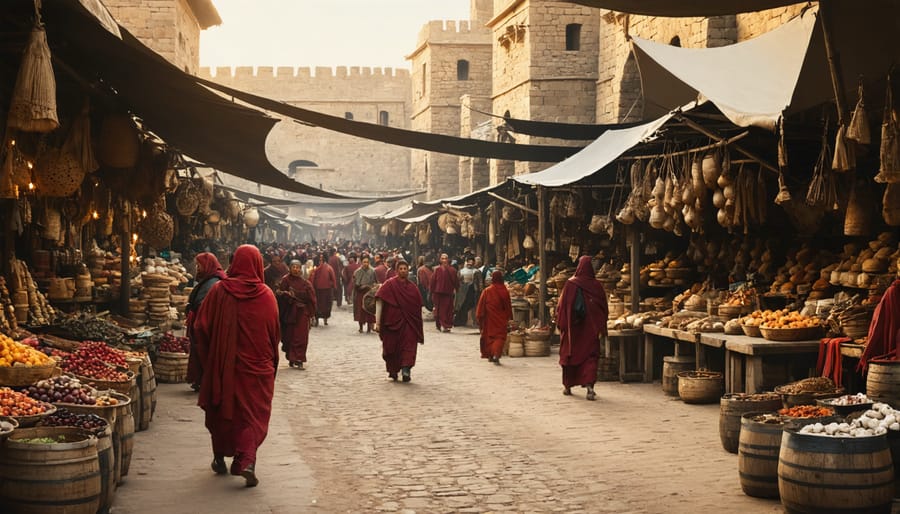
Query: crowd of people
[[275, 294]]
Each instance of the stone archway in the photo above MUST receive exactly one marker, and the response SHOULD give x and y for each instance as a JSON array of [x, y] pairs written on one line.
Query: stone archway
[[631, 97]]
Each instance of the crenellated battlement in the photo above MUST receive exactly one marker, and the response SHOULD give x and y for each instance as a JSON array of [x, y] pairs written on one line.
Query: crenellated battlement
[[452, 31], [290, 73]]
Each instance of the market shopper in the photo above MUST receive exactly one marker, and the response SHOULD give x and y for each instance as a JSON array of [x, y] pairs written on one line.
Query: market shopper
[[380, 269], [347, 277], [209, 272], [334, 260], [884, 330], [469, 279], [325, 281], [297, 306], [444, 283], [275, 270], [398, 321], [363, 280], [237, 339], [581, 319], [493, 313], [423, 279]]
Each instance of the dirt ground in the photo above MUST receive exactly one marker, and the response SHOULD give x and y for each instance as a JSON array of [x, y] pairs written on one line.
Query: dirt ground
[[463, 436]]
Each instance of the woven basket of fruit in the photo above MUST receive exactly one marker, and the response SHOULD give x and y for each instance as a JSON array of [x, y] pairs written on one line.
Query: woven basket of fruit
[[791, 334]]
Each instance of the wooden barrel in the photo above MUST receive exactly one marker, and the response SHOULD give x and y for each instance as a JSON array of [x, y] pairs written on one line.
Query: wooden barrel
[[171, 368], [835, 474], [123, 438], [893, 438], [731, 408], [672, 366], [144, 412], [700, 386], [758, 447], [107, 459], [883, 382], [60, 478]]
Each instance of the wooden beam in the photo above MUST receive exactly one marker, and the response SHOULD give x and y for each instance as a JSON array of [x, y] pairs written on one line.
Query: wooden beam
[[709, 133], [514, 204], [825, 19], [717, 144]]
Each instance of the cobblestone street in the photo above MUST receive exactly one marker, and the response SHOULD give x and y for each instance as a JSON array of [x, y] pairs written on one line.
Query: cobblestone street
[[463, 436]]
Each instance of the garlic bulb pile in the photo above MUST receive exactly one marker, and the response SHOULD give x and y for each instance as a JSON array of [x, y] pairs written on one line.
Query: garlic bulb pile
[[874, 422]]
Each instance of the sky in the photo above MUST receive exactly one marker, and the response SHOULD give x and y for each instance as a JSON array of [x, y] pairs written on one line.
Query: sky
[[375, 33]]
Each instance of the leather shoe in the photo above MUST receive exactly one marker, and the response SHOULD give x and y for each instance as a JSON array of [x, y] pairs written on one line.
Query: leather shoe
[[218, 466], [249, 475]]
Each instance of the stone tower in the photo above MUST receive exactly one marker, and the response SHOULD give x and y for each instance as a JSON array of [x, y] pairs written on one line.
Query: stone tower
[[451, 59], [545, 57]]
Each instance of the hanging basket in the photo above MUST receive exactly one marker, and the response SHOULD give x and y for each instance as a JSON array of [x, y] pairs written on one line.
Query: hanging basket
[[890, 205], [119, 145], [858, 220], [33, 106], [158, 228], [889, 170], [187, 198], [58, 173]]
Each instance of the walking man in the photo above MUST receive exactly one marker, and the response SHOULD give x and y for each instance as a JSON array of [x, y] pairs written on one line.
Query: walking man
[[363, 280], [398, 321], [493, 313], [444, 283]]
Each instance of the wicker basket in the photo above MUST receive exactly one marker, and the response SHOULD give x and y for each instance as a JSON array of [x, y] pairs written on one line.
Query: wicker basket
[[157, 229], [187, 198], [700, 386], [11, 420], [679, 273], [791, 334], [30, 421], [730, 311], [57, 173], [793, 400], [751, 330], [17, 376], [119, 387]]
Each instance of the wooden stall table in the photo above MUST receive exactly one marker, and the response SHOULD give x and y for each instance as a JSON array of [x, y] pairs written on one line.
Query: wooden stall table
[[680, 339], [853, 381], [630, 370], [710, 341], [744, 359]]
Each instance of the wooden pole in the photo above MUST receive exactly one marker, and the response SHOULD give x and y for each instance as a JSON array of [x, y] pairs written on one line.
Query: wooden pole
[[125, 285], [495, 221], [635, 268], [709, 133], [542, 254], [825, 19], [514, 204]]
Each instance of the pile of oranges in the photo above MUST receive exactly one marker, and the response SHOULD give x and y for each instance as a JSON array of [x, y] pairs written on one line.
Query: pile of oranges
[[781, 318], [13, 403], [13, 353]]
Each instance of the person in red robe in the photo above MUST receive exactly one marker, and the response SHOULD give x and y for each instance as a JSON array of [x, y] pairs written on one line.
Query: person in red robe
[[581, 318], [363, 280], [884, 330], [297, 305], [347, 277], [209, 272], [324, 280], [423, 278], [275, 270], [493, 312], [398, 321], [444, 283], [237, 340], [337, 265], [380, 269]]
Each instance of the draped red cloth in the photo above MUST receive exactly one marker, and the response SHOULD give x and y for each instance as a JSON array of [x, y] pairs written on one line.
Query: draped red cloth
[[401, 323], [444, 283], [237, 339], [423, 276], [208, 267], [324, 280], [297, 300], [493, 312], [381, 273], [579, 346], [347, 279], [884, 331], [391, 273]]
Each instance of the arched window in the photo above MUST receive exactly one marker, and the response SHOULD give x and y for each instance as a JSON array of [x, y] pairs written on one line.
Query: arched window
[[573, 36], [462, 69], [383, 118], [348, 115], [299, 163], [675, 41]]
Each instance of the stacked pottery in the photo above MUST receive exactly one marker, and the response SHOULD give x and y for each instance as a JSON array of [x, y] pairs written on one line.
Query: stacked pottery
[[156, 293]]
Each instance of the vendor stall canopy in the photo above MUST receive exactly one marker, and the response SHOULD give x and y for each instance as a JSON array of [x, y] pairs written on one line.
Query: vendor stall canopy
[[781, 72], [690, 8]]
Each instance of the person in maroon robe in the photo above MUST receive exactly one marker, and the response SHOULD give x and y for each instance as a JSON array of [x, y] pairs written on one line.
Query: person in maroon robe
[[444, 283], [347, 277], [581, 318], [337, 265], [493, 312], [363, 280], [297, 305], [423, 278], [884, 330], [209, 272], [398, 321], [324, 280], [275, 270], [237, 340], [380, 269]]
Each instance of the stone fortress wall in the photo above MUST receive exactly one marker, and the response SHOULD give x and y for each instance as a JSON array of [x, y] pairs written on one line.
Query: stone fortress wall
[[345, 163]]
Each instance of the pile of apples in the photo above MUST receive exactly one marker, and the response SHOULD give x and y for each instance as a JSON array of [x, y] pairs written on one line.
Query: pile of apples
[[103, 352], [92, 367], [13, 403], [170, 343]]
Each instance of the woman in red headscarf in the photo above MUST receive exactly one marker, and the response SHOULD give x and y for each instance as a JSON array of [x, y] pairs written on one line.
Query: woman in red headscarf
[[209, 271], [237, 336], [581, 318], [493, 312]]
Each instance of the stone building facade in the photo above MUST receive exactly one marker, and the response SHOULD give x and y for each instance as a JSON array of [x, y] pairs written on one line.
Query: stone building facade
[[170, 27], [545, 68], [619, 84], [323, 158], [451, 59]]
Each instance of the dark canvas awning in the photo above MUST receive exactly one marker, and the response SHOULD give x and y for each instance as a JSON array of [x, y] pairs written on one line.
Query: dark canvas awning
[[189, 117], [684, 8], [570, 131]]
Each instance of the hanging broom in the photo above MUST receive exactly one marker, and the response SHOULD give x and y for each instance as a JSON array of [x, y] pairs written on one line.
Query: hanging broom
[[33, 106], [889, 171], [784, 194], [858, 131]]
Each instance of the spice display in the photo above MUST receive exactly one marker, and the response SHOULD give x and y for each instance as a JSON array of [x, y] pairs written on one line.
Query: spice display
[[808, 385], [14, 403], [806, 411], [770, 419], [62, 389], [755, 397], [90, 328]]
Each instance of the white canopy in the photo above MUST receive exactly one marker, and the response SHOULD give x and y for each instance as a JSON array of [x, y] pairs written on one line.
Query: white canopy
[[751, 82], [595, 156]]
